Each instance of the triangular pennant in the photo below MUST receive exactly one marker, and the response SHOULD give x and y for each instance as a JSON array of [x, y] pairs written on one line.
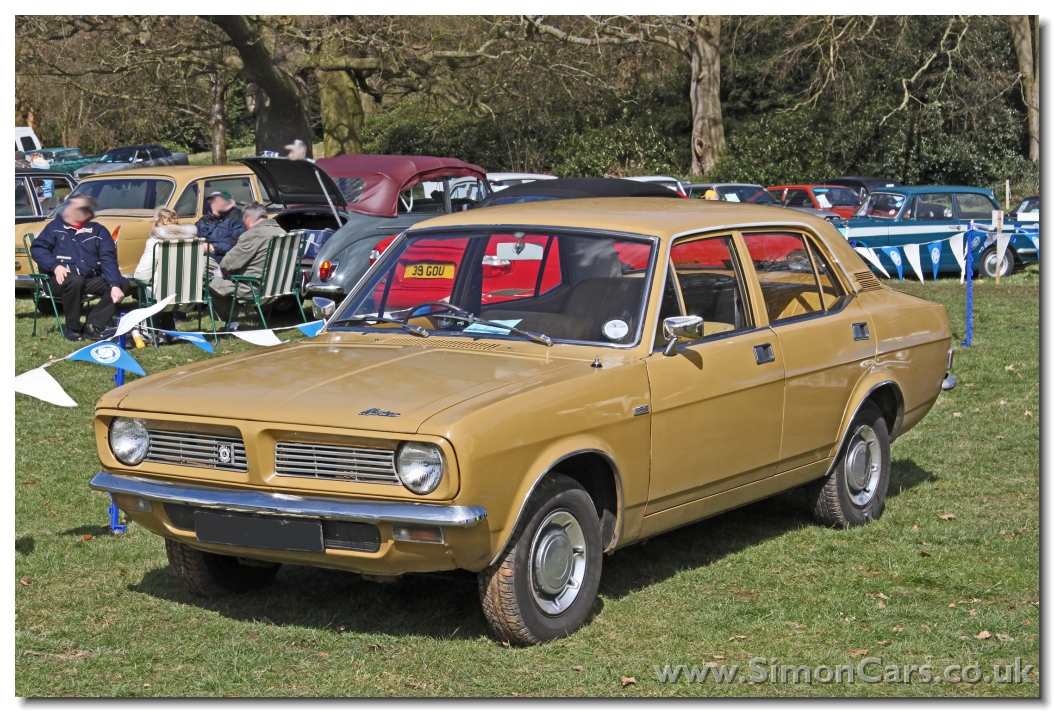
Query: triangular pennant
[[871, 257], [934, 248], [898, 261], [130, 320], [958, 251], [1035, 241], [912, 253], [1001, 241], [260, 337], [312, 328], [39, 384], [193, 337], [107, 353]]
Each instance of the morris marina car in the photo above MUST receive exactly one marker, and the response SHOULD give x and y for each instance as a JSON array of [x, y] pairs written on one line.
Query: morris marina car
[[921, 214], [664, 360], [127, 200]]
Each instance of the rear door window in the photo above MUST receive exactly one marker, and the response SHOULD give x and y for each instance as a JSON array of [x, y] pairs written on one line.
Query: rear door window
[[936, 207], [785, 271], [974, 206]]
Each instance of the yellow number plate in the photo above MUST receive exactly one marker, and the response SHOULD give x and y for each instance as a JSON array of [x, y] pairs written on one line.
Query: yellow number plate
[[423, 270]]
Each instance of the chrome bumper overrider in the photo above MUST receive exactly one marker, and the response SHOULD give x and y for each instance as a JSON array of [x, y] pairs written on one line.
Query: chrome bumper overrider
[[254, 501]]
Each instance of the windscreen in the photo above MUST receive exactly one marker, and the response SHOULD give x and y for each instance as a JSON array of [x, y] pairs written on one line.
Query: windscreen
[[570, 287]]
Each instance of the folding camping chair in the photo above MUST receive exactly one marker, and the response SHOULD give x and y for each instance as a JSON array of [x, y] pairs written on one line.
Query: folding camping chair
[[42, 288], [279, 278], [180, 269]]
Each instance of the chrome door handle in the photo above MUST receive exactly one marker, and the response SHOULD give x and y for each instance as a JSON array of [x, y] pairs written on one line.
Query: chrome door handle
[[763, 353]]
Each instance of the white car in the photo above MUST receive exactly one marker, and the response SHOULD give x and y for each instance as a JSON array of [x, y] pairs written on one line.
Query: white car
[[501, 181], [1026, 211], [667, 181]]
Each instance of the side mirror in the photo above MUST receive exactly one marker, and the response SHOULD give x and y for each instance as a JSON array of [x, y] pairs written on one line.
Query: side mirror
[[681, 327], [322, 308]]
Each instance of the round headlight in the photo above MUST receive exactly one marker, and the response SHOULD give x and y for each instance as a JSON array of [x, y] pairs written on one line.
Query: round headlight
[[129, 440], [419, 466]]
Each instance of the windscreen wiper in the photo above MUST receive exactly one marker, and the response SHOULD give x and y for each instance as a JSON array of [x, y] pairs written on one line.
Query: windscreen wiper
[[417, 330], [470, 319]]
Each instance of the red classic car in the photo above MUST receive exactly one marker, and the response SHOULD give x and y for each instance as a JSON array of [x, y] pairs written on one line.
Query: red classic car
[[836, 198]]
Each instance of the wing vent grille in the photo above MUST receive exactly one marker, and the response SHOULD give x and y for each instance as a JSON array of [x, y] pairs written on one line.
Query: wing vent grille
[[866, 281]]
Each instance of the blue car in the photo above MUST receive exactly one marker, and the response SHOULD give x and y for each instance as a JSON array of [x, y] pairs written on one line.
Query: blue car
[[923, 214]]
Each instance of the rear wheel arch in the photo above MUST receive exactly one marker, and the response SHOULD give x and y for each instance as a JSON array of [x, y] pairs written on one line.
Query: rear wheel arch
[[890, 401]]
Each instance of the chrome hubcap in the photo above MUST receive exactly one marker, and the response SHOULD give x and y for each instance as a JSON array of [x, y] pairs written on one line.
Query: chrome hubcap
[[558, 562], [989, 264], [863, 465]]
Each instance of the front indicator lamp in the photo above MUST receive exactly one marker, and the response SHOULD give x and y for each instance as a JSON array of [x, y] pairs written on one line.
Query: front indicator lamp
[[132, 503]]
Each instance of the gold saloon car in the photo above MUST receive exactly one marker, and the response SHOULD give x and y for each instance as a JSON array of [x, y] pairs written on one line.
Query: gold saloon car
[[518, 390]]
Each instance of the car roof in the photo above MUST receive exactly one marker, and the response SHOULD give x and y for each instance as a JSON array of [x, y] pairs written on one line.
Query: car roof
[[570, 188], [180, 172], [915, 189], [724, 185]]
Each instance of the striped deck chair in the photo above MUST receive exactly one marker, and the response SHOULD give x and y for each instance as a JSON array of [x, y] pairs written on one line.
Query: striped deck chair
[[181, 269], [280, 277]]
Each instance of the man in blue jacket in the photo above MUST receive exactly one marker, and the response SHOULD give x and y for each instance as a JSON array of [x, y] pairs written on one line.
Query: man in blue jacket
[[221, 225], [80, 258]]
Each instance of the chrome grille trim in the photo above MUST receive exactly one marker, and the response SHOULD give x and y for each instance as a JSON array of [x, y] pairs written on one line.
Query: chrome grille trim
[[195, 450], [341, 462]]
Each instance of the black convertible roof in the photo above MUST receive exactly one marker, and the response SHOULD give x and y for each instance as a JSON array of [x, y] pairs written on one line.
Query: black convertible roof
[[576, 188]]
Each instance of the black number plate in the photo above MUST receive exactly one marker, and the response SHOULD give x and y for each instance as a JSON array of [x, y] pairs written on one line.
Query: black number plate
[[259, 532]]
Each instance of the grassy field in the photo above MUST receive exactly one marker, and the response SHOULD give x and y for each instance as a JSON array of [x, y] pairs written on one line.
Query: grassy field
[[102, 615]]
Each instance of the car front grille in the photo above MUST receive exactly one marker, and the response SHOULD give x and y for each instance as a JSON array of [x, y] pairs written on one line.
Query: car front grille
[[197, 450], [340, 462]]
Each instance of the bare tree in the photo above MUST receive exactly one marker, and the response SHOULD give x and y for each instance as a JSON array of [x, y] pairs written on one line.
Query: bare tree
[[1025, 31], [696, 38]]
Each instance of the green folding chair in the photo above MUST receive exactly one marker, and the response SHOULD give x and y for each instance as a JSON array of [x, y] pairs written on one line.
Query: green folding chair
[[279, 278], [42, 289], [180, 269]]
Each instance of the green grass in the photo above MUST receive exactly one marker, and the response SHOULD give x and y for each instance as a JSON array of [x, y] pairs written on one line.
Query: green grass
[[105, 616]]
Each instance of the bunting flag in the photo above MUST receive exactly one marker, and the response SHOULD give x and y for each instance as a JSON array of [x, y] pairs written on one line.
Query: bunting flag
[[911, 252], [898, 262], [38, 383], [312, 328], [959, 252], [871, 257], [1035, 241], [260, 337], [107, 353], [193, 337], [934, 249], [1001, 241], [130, 320]]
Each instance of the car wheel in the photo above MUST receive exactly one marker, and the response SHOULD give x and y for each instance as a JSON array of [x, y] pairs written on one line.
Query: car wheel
[[212, 575], [545, 582], [988, 258], [854, 492]]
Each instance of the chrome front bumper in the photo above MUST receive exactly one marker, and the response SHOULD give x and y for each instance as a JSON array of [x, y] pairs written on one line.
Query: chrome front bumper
[[254, 501]]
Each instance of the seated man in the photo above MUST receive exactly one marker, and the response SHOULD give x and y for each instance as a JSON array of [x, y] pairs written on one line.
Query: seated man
[[247, 257], [221, 225], [80, 258]]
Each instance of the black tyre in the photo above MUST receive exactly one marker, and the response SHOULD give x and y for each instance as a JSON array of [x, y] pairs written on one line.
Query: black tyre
[[987, 266], [854, 492], [545, 582], [211, 575]]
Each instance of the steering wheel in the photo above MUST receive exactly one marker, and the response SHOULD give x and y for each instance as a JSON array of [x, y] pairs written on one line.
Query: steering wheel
[[447, 306]]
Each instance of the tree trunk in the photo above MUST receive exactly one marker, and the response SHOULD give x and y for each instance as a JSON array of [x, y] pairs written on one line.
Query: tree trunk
[[342, 113], [1025, 31], [708, 131], [218, 119], [281, 116]]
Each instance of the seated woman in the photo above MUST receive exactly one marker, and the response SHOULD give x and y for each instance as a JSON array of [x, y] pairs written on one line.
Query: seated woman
[[164, 226]]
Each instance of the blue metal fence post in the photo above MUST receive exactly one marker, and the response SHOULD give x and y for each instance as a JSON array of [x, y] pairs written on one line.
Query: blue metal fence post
[[969, 291], [118, 376], [115, 514]]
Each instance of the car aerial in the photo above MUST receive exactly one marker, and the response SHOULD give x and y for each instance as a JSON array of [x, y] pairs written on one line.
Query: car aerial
[[862, 185], [838, 199], [922, 214], [372, 196], [127, 200], [665, 181], [38, 193], [67, 160], [1026, 211], [671, 360], [751, 193], [501, 181], [147, 155]]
